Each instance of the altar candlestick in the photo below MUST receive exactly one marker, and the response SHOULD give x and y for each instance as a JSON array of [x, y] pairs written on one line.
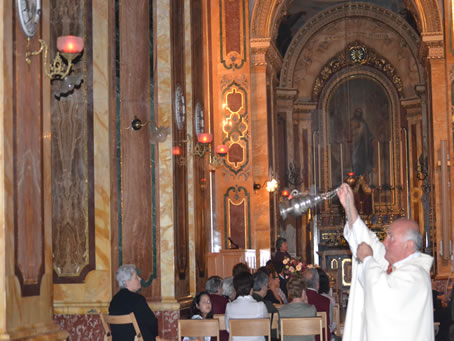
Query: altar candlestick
[[401, 164], [342, 162], [319, 168], [379, 168], [330, 174], [391, 178]]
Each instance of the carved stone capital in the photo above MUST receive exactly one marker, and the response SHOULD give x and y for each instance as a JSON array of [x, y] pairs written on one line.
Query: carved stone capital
[[413, 108], [303, 110], [408, 103], [432, 46], [264, 53], [420, 89], [285, 99]]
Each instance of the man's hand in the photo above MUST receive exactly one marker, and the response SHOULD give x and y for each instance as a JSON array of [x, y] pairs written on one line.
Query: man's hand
[[347, 200], [364, 250]]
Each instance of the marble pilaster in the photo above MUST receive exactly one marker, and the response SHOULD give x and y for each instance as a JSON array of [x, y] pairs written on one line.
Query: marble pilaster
[[93, 295], [265, 62], [164, 115], [23, 317], [441, 120], [190, 170]]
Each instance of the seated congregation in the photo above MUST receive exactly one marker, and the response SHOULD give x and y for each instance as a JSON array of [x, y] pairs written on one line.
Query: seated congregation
[[278, 301], [254, 307]]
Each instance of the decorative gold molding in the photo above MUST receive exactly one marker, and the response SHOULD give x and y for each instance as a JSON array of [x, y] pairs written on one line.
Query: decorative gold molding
[[80, 307], [356, 53]]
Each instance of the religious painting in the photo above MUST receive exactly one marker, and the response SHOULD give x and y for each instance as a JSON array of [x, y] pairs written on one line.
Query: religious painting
[[359, 123]]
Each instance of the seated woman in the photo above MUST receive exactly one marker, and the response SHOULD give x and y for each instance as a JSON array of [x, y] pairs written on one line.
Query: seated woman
[[214, 288], [200, 309], [244, 306], [298, 306], [227, 289], [275, 293], [126, 301]]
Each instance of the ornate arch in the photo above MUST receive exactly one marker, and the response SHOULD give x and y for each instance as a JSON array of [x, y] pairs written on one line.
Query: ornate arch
[[342, 12], [267, 15], [429, 14]]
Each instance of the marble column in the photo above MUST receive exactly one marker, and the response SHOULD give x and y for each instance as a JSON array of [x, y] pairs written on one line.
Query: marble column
[[266, 61], [440, 126]]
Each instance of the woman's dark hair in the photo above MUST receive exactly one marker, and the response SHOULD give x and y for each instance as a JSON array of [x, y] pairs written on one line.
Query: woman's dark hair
[[239, 268], [323, 281], [196, 311], [271, 269], [243, 284]]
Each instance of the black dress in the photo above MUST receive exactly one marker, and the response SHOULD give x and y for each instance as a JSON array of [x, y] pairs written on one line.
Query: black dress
[[125, 302]]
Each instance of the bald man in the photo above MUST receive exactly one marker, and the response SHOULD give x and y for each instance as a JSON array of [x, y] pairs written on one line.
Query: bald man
[[391, 293]]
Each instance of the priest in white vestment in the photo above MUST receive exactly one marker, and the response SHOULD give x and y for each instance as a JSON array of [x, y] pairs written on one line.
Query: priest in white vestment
[[391, 292]]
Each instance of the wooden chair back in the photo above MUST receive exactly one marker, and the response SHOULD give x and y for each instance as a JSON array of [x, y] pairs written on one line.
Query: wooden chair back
[[274, 320], [322, 314], [249, 327], [301, 326], [221, 318], [336, 317], [198, 328], [108, 320]]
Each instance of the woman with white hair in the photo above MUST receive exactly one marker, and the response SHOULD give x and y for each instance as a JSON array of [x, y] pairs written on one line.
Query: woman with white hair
[[227, 288], [126, 301]]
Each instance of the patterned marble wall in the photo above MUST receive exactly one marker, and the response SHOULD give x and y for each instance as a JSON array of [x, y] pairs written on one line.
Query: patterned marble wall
[[89, 327]]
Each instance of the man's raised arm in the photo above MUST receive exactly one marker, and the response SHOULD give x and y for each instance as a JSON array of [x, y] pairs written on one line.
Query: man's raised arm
[[347, 200]]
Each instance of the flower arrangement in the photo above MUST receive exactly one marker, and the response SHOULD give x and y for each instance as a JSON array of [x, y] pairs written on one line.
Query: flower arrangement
[[293, 267]]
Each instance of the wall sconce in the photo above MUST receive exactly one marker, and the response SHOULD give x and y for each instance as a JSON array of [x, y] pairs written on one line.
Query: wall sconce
[[157, 134], [202, 147], [271, 185], [70, 48], [204, 144]]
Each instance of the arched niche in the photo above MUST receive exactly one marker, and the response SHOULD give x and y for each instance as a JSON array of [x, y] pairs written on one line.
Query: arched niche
[[370, 140]]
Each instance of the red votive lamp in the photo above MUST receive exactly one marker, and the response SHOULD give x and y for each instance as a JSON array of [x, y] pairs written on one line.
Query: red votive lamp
[[285, 192], [176, 150], [204, 138], [70, 44], [222, 149], [350, 173]]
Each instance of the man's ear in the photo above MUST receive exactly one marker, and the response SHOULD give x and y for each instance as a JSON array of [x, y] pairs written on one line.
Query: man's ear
[[410, 246]]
